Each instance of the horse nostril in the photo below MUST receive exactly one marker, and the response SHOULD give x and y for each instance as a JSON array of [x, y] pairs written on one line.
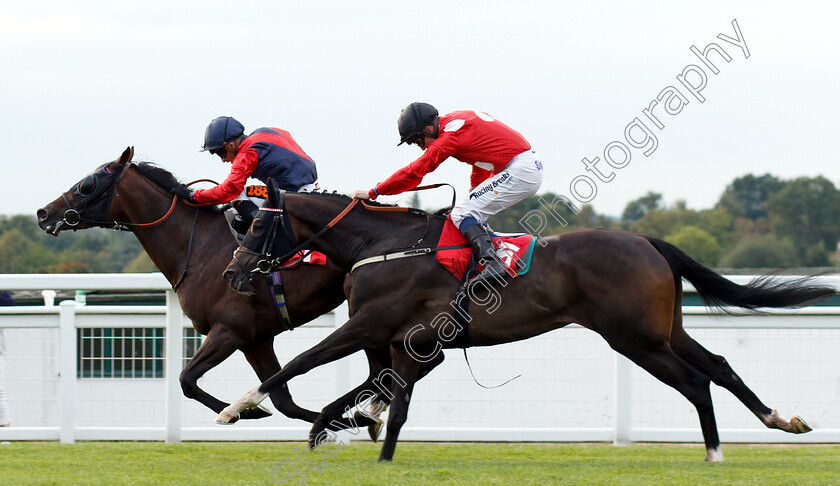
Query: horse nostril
[[42, 214], [228, 275]]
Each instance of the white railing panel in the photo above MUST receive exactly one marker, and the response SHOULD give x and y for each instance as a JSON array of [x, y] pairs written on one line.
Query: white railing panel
[[572, 388]]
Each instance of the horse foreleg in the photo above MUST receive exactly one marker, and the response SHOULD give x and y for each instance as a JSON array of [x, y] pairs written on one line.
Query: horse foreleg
[[217, 347], [332, 416], [232, 412], [375, 409], [263, 360], [349, 338], [379, 404], [407, 372]]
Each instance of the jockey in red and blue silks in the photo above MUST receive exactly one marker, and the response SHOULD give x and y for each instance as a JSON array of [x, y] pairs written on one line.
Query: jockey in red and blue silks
[[266, 152]]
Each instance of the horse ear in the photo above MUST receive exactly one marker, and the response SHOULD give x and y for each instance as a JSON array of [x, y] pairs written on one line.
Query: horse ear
[[126, 156], [273, 199]]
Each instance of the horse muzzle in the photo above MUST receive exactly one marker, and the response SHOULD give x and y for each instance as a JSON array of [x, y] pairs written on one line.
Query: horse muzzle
[[238, 281], [51, 228]]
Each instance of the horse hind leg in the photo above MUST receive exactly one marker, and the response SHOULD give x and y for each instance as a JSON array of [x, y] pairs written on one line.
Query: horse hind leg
[[659, 360], [717, 368], [796, 425]]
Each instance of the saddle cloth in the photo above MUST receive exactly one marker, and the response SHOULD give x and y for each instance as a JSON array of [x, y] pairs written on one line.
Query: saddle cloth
[[310, 257], [514, 250]]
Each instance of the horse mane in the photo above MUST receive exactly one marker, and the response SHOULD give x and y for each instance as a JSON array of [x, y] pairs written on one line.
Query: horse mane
[[346, 198], [158, 175], [164, 179]]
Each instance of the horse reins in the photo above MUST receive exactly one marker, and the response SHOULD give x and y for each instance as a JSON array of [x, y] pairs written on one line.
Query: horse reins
[[266, 265]]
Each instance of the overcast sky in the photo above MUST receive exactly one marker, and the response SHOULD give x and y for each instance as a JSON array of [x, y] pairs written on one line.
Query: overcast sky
[[82, 80]]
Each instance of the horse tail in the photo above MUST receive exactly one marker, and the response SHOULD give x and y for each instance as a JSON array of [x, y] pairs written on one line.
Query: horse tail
[[718, 292]]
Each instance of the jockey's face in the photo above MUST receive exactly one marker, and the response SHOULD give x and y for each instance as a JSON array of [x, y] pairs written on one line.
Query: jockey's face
[[426, 139], [230, 150]]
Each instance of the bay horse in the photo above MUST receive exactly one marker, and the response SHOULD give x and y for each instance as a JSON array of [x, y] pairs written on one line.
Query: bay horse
[[191, 247], [624, 286]]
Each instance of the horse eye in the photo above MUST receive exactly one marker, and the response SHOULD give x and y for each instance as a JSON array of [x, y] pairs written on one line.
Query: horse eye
[[87, 186], [257, 228]]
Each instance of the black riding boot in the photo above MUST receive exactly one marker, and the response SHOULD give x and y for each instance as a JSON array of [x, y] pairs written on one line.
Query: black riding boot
[[482, 245]]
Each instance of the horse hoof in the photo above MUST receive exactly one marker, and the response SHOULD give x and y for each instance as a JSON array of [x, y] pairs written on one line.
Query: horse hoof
[[714, 455], [257, 412], [375, 430], [225, 418], [799, 425]]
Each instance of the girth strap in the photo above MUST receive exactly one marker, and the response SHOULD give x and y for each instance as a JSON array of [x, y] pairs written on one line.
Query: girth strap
[[405, 254]]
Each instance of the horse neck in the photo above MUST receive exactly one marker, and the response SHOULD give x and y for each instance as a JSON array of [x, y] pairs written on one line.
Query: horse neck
[[361, 233], [168, 243]]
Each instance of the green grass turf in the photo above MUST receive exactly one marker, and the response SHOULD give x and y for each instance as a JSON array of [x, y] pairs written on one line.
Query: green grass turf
[[139, 463]]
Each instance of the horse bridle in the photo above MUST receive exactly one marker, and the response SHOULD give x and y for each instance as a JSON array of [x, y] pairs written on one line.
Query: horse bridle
[[73, 215], [266, 264]]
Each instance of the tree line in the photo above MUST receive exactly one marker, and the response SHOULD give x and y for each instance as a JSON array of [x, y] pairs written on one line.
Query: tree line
[[758, 222], [25, 248]]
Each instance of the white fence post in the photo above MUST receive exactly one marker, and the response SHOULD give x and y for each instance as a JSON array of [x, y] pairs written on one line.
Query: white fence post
[[67, 371], [623, 400], [172, 372]]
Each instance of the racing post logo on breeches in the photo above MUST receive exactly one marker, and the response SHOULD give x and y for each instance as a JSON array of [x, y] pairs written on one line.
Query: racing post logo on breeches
[[491, 186]]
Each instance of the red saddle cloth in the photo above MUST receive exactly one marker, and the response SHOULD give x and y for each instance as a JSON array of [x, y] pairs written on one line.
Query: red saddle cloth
[[310, 257], [510, 249]]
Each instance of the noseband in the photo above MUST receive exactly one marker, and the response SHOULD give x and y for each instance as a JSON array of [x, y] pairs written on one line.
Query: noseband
[[266, 264]]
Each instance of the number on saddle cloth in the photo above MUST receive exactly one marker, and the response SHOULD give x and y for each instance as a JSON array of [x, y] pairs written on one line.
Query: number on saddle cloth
[[515, 250], [510, 248]]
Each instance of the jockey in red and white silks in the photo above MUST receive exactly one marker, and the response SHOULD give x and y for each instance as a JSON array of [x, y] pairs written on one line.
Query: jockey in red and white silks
[[505, 169]]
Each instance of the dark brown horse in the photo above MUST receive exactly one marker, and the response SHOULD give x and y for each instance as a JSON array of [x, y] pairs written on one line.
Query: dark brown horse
[[624, 286], [191, 247]]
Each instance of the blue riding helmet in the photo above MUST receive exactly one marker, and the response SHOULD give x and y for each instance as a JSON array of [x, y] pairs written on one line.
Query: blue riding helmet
[[220, 131]]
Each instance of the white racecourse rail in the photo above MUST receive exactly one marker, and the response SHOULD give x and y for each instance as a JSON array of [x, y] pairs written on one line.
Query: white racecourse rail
[[573, 386]]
